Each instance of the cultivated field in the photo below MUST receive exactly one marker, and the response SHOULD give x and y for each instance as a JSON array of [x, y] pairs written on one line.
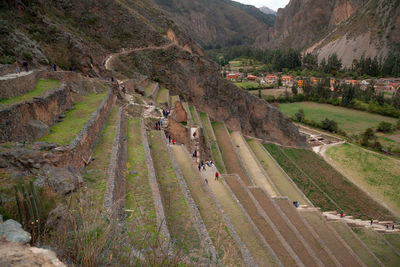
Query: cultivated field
[[325, 186], [378, 174], [350, 120]]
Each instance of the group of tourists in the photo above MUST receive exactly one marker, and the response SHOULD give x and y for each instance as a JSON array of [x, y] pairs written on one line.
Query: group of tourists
[[166, 113], [159, 124]]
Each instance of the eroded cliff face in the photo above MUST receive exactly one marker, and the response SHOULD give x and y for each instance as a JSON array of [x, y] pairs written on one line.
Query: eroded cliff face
[[349, 28], [198, 81]]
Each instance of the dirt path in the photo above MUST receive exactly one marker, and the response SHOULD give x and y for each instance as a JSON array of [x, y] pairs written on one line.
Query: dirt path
[[282, 181], [110, 57], [250, 163], [15, 75]]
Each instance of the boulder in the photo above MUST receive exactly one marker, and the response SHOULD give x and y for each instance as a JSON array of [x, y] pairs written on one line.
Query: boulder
[[12, 231], [62, 180]]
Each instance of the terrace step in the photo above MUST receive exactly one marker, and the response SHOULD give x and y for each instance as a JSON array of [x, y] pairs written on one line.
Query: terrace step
[[262, 221], [252, 165], [379, 246], [339, 248], [151, 90], [173, 99], [286, 228], [362, 251], [163, 96], [282, 181], [307, 232], [232, 162]]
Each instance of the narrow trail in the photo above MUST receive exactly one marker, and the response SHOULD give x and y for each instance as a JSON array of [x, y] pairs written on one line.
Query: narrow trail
[[110, 57], [15, 75]]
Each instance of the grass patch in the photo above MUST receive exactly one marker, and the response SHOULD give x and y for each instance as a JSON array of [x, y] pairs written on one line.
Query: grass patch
[[96, 173], [350, 120], [174, 98], [325, 186], [176, 208], [217, 158], [162, 96], [139, 196], [40, 88], [393, 239], [207, 126], [63, 132], [378, 174], [375, 243], [194, 115], [248, 85]]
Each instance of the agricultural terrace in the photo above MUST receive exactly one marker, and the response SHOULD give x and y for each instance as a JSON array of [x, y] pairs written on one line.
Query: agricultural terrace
[[325, 186], [350, 120], [139, 198], [193, 113], [393, 239], [96, 173], [40, 88], [63, 132], [177, 211], [378, 246], [162, 96], [378, 174]]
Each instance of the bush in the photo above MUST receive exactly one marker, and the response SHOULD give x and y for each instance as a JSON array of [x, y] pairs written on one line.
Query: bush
[[4, 59], [385, 127], [329, 125], [26, 55], [300, 116]]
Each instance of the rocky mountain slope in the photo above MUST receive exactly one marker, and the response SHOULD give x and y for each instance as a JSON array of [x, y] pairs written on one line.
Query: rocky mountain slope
[[215, 23], [349, 28], [80, 34], [267, 10]]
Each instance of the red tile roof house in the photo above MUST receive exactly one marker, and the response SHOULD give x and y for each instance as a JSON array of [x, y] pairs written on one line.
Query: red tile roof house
[[271, 78], [233, 76], [251, 77]]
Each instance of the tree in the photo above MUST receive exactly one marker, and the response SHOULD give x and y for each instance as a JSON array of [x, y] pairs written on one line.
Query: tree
[[310, 61], [329, 125], [334, 64], [300, 115], [294, 89], [396, 99], [385, 127], [366, 136]]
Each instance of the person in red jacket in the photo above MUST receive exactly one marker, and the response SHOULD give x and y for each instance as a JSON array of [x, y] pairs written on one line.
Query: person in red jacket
[[216, 176]]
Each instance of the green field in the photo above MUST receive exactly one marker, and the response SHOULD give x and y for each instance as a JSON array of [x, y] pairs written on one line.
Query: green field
[[349, 120], [325, 186], [248, 85], [40, 88], [63, 132], [376, 173]]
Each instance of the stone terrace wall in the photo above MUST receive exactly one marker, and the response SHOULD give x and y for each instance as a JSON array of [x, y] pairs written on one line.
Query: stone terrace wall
[[17, 86], [114, 197], [15, 120], [81, 148]]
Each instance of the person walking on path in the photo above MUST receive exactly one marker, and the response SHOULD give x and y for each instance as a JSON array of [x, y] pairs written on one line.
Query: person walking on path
[[206, 181], [54, 67], [212, 165], [16, 67], [216, 176], [25, 65], [199, 167]]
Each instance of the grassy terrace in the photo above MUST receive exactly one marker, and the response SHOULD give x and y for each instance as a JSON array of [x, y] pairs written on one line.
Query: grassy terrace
[[138, 192], [228, 152], [194, 115], [63, 132], [177, 211], [346, 234], [376, 173], [149, 89], [375, 243], [226, 247], [325, 186], [281, 181], [350, 120], [174, 98], [96, 172], [393, 239], [162, 96], [41, 87]]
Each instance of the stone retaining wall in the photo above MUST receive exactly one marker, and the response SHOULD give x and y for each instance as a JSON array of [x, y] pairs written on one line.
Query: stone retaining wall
[[114, 196], [155, 189], [81, 148], [194, 210], [17, 86], [247, 257], [18, 122], [155, 92]]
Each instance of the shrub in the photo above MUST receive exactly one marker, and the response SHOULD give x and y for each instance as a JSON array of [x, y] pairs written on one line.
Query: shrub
[[4, 59], [329, 125], [26, 55], [300, 116], [384, 127]]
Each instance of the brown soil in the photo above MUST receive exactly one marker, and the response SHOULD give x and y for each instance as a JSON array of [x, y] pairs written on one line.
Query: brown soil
[[290, 236], [231, 160], [295, 218], [332, 241], [266, 229]]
